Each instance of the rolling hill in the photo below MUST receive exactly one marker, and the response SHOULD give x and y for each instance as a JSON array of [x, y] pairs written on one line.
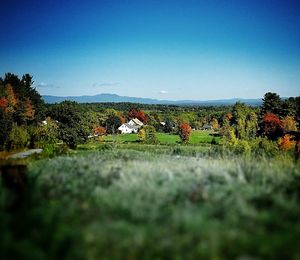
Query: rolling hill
[[106, 97]]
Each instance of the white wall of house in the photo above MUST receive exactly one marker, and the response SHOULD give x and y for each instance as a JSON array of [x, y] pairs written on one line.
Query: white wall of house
[[126, 130]]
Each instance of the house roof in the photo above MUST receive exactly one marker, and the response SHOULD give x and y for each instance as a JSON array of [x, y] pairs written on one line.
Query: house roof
[[137, 121], [131, 126]]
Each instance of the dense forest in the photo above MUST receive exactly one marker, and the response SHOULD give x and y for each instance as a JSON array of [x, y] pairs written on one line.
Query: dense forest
[[26, 121]]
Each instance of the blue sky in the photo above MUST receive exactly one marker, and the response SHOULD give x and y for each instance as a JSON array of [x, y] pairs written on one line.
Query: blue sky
[[160, 49]]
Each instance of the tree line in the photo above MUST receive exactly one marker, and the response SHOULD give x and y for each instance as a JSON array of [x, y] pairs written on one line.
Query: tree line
[[26, 121]]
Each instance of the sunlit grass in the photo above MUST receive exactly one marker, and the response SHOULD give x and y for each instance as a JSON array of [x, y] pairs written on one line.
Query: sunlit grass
[[197, 137]]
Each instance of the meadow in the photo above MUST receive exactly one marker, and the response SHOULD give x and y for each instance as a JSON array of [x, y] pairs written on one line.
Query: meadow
[[197, 137], [138, 201]]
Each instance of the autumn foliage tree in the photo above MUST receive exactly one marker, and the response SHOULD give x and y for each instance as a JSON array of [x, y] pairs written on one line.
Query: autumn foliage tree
[[21, 107], [215, 124], [289, 124], [29, 109], [228, 116], [11, 98], [139, 114], [99, 131], [3, 103], [272, 126], [185, 131], [286, 143], [142, 134]]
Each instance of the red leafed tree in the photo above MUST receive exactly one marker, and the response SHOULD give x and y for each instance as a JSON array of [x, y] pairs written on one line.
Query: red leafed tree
[[272, 126], [185, 131], [99, 131], [3, 103], [139, 114]]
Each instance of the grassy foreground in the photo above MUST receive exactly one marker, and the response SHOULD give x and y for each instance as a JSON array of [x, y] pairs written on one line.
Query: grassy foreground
[[155, 204]]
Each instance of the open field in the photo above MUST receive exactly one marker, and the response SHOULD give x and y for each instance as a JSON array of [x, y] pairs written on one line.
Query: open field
[[137, 201], [197, 137]]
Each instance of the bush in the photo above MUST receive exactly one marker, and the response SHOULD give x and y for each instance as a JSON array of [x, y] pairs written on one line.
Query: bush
[[18, 137], [47, 134], [239, 147], [259, 146], [52, 150], [142, 135], [150, 135], [263, 146]]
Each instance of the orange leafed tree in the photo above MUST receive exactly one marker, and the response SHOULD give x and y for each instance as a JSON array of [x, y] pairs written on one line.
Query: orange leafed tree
[[29, 109], [139, 114], [286, 143], [185, 131], [11, 98], [228, 116], [99, 131]]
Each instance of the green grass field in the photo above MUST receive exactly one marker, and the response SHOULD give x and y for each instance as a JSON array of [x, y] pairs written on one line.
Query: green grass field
[[197, 137], [133, 201]]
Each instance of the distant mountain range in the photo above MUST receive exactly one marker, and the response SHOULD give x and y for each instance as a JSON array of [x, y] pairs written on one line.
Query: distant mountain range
[[105, 97]]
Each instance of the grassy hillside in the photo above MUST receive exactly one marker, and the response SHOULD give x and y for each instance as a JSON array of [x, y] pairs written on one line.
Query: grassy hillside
[[157, 202]]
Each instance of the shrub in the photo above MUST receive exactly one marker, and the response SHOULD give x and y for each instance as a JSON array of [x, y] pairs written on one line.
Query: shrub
[[150, 135], [263, 146], [52, 150], [142, 134], [239, 146], [18, 137], [47, 134], [214, 141], [99, 131], [243, 147]]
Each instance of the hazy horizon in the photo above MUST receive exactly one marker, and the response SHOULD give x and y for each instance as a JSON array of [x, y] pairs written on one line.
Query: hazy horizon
[[167, 50], [233, 98]]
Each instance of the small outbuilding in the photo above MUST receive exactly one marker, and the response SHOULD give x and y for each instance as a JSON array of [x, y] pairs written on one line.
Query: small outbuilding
[[207, 127]]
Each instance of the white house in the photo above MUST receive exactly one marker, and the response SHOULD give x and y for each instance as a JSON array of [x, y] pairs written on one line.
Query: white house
[[128, 129], [132, 126]]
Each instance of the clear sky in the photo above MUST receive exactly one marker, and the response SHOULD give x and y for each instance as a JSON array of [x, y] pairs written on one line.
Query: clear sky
[[188, 49]]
